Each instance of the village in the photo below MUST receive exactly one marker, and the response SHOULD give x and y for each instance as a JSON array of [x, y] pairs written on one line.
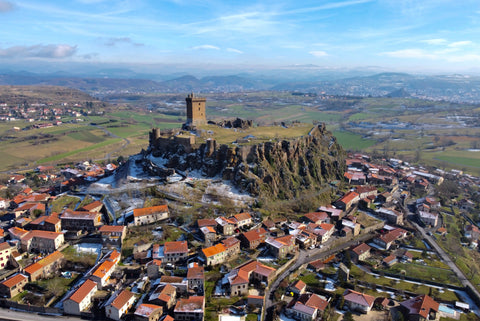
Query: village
[[372, 253]]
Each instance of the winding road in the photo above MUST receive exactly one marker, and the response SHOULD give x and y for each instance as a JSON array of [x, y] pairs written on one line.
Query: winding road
[[304, 257]]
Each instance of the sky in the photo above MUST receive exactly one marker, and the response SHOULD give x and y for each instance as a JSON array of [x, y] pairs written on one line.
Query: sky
[[399, 35]]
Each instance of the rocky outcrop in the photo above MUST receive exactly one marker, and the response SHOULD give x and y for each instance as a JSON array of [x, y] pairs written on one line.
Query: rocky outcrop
[[281, 168], [236, 123]]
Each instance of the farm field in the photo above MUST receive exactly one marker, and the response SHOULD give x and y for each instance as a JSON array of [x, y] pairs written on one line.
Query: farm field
[[440, 133]]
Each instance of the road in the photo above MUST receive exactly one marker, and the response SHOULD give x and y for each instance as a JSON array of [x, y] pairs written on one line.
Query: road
[[109, 133], [446, 258], [12, 315], [307, 256]]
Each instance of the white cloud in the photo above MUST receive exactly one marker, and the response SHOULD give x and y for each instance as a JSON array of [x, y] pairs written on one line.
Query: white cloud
[[234, 50], [460, 43], [206, 47], [410, 53], [465, 58], [318, 53], [39, 51], [438, 41]]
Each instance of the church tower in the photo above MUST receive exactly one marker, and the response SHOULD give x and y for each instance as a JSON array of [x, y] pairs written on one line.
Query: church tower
[[196, 114]]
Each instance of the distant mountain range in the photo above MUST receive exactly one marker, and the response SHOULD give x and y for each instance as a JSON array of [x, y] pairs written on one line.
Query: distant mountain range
[[458, 88]]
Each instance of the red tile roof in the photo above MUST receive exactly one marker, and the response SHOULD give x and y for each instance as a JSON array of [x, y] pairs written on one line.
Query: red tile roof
[[349, 197], [32, 268], [103, 268], [122, 299], [150, 210], [421, 305], [359, 298], [82, 291], [256, 234], [92, 206], [214, 250], [196, 273], [175, 247], [206, 222], [14, 280], [112, 229], [4, 246], [242, 217], [145, 310], [362, 248], [192, 304]]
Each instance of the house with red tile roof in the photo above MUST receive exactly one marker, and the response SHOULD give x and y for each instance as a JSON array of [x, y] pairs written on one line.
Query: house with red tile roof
[[29, 208], [174, 252], [191, 309], [282, 246], [216, 254], [386, 240], [119, 304], [336, 214], [149, 215], [148, 312], [360, 252], [357, 301], [225, 226], [165, 295], [209, 234], [420, 308], [232, 246], [390, 260], [298, 287], [102, 273], [80, 220], [13, 285], [346, 201], [41, 241], [80, 299], [316, 217], [95, 206], [307, 307], [196, 278], [113, 235], [44, 267], [104, 269], [242, 219], [253, 238], [365, 191], [206, 222], [50, 223], [240, 277]]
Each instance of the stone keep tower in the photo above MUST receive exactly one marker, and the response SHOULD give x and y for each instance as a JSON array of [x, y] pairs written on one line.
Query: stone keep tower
[[196, 114]]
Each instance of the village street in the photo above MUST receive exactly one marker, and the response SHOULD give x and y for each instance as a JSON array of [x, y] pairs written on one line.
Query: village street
[[304, 257]]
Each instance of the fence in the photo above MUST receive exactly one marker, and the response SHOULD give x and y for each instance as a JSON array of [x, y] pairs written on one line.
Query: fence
[[29, 308]]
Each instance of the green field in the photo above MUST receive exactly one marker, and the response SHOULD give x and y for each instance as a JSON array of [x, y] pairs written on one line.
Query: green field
[[352, 141]]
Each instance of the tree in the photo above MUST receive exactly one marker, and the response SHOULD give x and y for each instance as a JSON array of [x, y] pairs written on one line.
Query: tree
[[347, 260], [348, 316]]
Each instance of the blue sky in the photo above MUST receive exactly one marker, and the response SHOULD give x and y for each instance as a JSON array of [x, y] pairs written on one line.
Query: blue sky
[[409, 35]]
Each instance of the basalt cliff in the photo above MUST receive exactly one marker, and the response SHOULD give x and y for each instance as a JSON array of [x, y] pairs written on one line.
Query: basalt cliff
[[278, 168]]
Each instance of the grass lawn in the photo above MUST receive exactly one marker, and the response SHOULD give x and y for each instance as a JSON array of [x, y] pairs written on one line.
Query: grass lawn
[[72, 255], [77, 151], [356, 273], [423, 272], [64, 201], [352, 141]]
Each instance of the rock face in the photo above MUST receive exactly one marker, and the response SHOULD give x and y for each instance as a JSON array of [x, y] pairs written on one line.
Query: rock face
[[282, 168]]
